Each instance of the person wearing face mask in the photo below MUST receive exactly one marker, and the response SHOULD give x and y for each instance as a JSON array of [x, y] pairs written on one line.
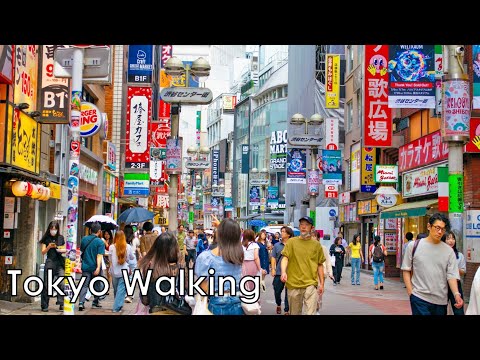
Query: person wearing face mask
[[51, 243]]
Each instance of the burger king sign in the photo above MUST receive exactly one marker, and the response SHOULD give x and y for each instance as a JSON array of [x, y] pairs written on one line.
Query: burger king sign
[[90, 119]]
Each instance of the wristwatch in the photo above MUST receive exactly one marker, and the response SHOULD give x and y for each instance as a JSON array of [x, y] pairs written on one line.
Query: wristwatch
[[457, 293]]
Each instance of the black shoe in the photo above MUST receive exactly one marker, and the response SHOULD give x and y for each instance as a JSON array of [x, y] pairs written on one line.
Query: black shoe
[[60, 308], [381, 287], [44, 309], [96, 305], [81, 307]]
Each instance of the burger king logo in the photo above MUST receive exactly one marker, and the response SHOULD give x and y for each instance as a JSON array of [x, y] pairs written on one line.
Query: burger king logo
[[90, 119]]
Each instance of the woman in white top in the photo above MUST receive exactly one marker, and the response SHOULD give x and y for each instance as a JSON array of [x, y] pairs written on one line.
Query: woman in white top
[[251, 261], [451, 240], [121, 256]]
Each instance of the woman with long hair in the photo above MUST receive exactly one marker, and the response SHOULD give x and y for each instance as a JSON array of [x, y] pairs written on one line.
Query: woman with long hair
[[226, 259], [121, 254], [264, 257], [356, 259], [251, 260], [108, 240], [338, 251], [378, 264], [450, 239], [51, 242], [163, 259]]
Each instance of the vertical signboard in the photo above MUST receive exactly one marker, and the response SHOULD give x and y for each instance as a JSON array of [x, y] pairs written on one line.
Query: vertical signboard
[[473, 146], [355, 164], [369, 160], [296, 166], [140, 64], [438, 61], [332, 79], [254, 195], [412, 76], [174, 155], [26, 68], [215, 167], [245, 159], [139, 112], [455, 109], [476, 76], [54, 100], [166, 54], [25, 142], [278, 149], [331, 133], [332, 166], [378, 117], [111, 156]]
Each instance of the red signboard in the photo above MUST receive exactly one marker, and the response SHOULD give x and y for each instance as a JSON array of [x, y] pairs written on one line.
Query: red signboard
[[473, 146], [421, 152], [163, 109], [159, 131], [378, 117], [139, 115]]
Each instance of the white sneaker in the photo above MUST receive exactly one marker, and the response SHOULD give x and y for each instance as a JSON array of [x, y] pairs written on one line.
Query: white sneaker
[[128, 300]]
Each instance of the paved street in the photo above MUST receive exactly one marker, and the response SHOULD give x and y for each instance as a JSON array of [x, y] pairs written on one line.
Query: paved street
[[343, 299]]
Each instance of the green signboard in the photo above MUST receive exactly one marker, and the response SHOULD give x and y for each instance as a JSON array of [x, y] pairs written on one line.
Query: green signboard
[[191, 216], [455, 183], [312, 215]]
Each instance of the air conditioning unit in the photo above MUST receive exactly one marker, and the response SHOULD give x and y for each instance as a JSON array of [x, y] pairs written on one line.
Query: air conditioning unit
[[254, 66], [230, 137]]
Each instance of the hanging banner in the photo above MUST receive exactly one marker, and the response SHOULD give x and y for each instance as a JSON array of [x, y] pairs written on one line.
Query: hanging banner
[[355, 165], [369, 159], [54, 99], [174, 156], [438, 61], [215, 167], [26, 69], [155, 163], [476, 76], [331, 133], [378, 117], [296, 163], [278, 149], [139, 113], [455, 109], [159, 132], [273, 197], [245, 159], [412, 76], [332, 81], [254, 195], [313, 182], [332, 166], [455, 191]]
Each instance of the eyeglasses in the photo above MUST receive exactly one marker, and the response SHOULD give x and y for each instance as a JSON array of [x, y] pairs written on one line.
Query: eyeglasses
[[439, 228]]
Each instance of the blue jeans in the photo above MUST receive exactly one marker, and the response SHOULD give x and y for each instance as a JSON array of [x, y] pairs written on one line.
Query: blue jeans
[[119, 290], [355, 270], [377, 272], [225, 305], [422, 307]]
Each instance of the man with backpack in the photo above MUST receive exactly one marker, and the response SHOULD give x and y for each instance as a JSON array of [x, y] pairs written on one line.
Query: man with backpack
[[377, 253], [429, 268]]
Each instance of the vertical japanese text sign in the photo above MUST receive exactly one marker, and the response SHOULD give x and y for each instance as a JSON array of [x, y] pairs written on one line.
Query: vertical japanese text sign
[[378, 119]]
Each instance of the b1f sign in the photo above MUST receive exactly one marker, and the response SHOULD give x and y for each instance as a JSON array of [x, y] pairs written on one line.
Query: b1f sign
[[331, 134]]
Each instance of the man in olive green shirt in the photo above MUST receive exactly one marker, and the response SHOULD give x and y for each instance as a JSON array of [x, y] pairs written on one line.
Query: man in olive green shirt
[[304, 276], [181, 240]]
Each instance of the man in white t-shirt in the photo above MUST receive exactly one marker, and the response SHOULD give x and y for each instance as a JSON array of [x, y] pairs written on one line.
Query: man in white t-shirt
[[434, 267]]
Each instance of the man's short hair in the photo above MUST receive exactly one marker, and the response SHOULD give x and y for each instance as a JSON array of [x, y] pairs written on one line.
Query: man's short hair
[[148, 226], [409, 236], [95, 227]]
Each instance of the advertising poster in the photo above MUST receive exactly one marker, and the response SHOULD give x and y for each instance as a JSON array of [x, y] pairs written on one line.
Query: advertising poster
[[455, 108], [411, 70], [378, 117], [140, 64], [139, 113], [332, 166], [391, 242], [296, 166], [26, 75], [476, 76], [472, 234], [273, 197], [254, 195], [54, 99], [174, 155]]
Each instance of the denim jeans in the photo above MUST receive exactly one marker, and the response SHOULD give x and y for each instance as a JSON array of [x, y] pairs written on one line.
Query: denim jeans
[[278, 286], [377, 272], [119, 291], [225, 305], [355, 270], [57, 270], [422, 307]]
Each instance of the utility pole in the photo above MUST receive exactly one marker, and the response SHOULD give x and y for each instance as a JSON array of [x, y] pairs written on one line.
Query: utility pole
[[455, 131], [172, 190]]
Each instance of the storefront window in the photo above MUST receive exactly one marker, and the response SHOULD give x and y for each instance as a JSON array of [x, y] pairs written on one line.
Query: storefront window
[[416, 225]]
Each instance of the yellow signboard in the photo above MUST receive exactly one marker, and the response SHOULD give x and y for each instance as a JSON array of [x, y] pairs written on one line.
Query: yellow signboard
[[26, 75], [56, 190], [332, 81], [165, 79], [25, 142]]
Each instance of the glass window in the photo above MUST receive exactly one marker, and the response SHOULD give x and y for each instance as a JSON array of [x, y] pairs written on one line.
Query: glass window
[[349, 114], [349, 58], [359, 108]]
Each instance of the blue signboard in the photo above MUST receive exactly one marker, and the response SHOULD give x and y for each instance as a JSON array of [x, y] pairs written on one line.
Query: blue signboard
[[140, 64]]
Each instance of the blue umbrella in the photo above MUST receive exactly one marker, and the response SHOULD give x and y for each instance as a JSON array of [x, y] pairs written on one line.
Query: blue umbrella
[[135, 215]]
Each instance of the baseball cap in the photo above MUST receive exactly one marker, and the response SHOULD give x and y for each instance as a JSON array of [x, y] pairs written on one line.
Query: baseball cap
[[307, 219]]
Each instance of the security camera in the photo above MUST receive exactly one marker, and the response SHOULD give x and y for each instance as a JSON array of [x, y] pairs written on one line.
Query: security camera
[[459, 50]]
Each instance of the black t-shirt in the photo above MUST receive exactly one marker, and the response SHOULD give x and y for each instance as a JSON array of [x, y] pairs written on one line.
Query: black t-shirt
[[52, 254]]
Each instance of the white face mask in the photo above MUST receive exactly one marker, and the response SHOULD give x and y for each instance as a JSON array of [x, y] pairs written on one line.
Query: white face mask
[[53, 232]]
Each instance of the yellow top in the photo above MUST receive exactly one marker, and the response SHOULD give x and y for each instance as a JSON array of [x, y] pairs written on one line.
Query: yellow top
[[304, 257], [355, 250]]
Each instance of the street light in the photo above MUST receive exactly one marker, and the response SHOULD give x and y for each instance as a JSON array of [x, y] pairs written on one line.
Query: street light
[[200, 68], [198, 160], [313, 179]]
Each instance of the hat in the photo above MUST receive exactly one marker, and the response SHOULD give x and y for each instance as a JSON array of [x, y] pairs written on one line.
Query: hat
[[307, 219]]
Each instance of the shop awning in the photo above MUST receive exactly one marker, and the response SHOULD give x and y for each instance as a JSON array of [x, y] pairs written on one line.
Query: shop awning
[[417, 208]]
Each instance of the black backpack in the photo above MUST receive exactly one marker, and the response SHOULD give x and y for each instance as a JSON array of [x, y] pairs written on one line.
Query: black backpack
[[378, 255]]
